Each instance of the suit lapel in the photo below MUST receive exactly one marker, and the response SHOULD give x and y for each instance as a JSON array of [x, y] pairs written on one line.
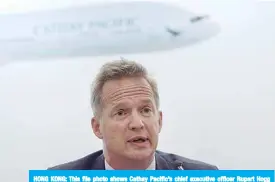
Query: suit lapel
[[98, 163], [162, 163]]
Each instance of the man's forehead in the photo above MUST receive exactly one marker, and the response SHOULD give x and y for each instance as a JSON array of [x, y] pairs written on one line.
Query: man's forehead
[[113, 92], [130, 81], [124, 84]]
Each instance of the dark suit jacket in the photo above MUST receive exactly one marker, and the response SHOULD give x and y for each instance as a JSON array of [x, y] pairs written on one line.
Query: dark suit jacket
[[164, 161]]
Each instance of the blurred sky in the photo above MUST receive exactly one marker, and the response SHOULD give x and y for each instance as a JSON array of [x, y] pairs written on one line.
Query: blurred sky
[[218, 96]]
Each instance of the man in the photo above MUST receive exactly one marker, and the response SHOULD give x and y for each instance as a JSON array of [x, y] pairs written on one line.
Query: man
[[125, 103]]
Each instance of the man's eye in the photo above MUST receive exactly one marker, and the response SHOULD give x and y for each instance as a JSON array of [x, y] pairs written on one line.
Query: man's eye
[[146, 110], [120, 112]]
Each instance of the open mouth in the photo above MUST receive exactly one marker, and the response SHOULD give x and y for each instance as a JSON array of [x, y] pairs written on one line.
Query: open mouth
[[139, 140]]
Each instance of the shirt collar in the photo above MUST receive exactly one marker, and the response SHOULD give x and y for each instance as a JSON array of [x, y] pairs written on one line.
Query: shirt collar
[[152, 166]]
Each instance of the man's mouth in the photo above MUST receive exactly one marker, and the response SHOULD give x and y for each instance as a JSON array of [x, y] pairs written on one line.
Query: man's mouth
[[138, 139]]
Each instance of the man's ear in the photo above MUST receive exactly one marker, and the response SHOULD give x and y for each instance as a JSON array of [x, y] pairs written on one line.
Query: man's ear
[[160, 121], [96, 127]]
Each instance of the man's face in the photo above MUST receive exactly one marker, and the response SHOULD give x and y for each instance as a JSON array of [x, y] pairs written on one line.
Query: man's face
[[130, 122]]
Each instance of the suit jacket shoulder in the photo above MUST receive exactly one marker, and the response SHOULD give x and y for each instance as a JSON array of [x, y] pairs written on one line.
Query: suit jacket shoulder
[[164, 161], [90, 162], [185, 163]]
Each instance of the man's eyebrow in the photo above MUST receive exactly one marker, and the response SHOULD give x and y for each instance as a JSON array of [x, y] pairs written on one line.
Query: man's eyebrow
[[147, 101], [118, 105]]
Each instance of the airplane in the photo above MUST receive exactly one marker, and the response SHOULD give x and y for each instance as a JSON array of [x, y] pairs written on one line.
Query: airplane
[[101, 30]]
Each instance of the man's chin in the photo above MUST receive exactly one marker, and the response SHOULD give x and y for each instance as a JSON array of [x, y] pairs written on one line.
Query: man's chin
[[140, 154]]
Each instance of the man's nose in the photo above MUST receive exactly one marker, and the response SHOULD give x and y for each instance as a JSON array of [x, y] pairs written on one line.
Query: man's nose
[[136, 122]]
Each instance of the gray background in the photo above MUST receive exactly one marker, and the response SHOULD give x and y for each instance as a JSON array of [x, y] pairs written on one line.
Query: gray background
[[218, 97]]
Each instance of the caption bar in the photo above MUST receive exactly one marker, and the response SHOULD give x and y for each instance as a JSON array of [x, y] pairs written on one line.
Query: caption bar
[[151, 176]]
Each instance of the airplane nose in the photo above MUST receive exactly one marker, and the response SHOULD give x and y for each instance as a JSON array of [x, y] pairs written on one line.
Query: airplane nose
[[201, 27]]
